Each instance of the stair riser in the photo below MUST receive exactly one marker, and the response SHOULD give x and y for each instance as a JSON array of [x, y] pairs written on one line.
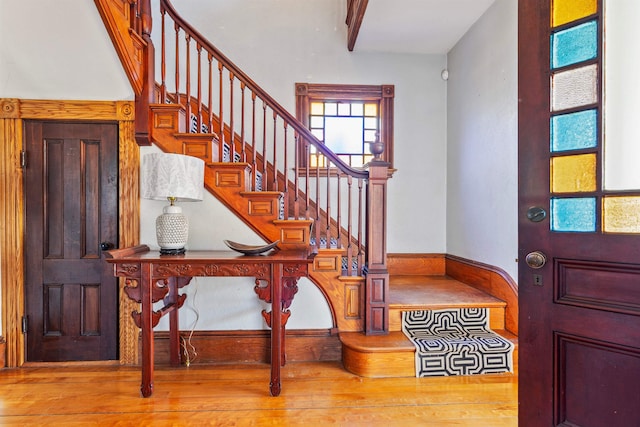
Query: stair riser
[[389, 364], [496, 316]]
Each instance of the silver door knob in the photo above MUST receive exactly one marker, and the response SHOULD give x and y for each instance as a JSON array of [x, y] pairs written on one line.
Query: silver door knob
[[536, 259]]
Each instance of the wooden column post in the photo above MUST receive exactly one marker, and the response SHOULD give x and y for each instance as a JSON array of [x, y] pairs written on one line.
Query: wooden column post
[[147, 96], [377, 275]]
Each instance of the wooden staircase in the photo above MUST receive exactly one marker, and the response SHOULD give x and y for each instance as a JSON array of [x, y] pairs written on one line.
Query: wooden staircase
[[248, 141], [393, 355]]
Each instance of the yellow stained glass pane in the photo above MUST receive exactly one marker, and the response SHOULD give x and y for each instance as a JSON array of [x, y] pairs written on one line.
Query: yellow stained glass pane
[[317, 108], [564, 11], [573, 174], [317, 160], [621, 214], [370, 110]]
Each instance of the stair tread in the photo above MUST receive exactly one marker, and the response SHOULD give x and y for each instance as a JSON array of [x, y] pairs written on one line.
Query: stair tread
[[395, 341], [424, 291]]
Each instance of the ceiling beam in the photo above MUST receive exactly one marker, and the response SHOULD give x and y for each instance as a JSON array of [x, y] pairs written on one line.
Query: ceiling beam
[[355, 14]]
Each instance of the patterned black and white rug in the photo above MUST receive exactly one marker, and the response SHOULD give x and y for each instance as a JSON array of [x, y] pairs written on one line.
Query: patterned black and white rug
[[456, 342]]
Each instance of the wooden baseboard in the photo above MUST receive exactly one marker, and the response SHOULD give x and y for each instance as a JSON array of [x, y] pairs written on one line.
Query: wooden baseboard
[[3, 353], [408, 264], [249, 346]]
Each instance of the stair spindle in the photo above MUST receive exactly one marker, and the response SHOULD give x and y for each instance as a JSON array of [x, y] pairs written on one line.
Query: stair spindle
[[328, 213], [232, 145], [199, 94], [220, 116], [275, 150], [210, 95], [187, 105], [254, 170], [163, 63], [243, 151]]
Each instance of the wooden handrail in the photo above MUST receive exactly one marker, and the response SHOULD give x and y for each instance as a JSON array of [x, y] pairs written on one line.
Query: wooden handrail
[[165, 5]]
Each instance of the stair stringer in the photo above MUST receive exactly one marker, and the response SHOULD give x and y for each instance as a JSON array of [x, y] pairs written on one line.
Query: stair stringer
[[230, 183]]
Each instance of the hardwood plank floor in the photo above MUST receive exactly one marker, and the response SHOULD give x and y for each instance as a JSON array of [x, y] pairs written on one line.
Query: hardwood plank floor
[[317, 393]]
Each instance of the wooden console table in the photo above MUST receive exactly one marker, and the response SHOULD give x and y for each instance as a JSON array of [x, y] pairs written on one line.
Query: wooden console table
[[151, 277]]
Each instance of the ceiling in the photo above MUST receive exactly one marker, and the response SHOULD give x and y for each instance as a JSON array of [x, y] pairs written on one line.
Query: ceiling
[[417, 26]]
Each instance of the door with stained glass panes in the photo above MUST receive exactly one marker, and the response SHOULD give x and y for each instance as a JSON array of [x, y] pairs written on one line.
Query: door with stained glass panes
[[579, 212]]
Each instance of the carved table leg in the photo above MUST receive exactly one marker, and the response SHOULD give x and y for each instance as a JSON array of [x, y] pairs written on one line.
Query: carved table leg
[[174, 328], [146, 324], [276, 328]]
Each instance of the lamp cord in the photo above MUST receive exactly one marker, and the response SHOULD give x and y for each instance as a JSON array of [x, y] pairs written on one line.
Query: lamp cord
[[187, 346]]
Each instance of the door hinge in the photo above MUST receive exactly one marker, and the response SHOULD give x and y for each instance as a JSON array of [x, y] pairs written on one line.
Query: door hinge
[[25, 324], [23, 159]]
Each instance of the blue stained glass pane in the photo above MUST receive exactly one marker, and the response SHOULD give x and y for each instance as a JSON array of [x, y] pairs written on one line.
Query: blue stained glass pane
[[575, 44], [575, 214], [574, 131]]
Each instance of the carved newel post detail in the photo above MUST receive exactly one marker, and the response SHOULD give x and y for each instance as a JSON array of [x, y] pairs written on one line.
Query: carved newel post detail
[[146, 97], [377, 275]]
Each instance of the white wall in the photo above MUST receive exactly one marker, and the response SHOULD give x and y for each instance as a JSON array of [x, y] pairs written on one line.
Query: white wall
[[58, 50], [482, 162]]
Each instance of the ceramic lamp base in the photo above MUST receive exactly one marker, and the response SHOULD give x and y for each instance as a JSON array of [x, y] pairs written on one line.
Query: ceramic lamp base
[[172, 231]]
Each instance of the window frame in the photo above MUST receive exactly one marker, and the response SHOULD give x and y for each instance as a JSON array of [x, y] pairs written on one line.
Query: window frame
[[306, 93]]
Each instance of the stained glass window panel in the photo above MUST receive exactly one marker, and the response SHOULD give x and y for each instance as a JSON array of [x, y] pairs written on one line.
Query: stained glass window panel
[[574, 88], [574, 45], [317, 108], [572, 174], [371, 110], [573, 214], [564, 11], [574, 131], [621, 214]]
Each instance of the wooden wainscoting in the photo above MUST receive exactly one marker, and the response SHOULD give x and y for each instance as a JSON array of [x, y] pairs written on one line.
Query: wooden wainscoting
[[249, 346]]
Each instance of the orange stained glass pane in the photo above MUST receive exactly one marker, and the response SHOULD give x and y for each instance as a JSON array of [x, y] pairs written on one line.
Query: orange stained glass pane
[[370, 110], [573, 174], [563, 11], [621, 214], [317, 108]]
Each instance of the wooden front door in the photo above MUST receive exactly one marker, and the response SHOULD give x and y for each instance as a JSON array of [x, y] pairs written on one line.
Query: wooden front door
[[71, 196], [579, 249]]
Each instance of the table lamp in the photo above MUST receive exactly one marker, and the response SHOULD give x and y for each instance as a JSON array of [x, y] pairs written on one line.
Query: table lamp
[[176, 178]]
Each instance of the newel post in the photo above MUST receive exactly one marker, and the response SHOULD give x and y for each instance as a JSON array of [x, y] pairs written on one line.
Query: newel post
[[377, 275], [147, 96]]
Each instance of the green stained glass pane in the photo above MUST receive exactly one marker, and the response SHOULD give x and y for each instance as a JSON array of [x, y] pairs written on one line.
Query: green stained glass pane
[[574, 131], [574, 45], [573, 214]]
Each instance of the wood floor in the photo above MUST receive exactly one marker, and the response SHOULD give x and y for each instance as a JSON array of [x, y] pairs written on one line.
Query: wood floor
[[318, 393]]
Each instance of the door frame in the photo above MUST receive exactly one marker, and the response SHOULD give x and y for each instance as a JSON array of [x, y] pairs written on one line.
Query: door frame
[[12, 113]]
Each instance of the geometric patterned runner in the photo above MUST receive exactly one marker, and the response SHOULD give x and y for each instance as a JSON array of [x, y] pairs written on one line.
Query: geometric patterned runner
[[456, 342]]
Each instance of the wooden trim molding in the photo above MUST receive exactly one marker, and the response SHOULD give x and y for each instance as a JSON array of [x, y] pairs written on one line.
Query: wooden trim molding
[[12, 113]]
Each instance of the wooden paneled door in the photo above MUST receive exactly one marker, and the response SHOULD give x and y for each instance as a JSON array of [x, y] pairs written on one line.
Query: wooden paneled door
[[71, 205], [579, 215]]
